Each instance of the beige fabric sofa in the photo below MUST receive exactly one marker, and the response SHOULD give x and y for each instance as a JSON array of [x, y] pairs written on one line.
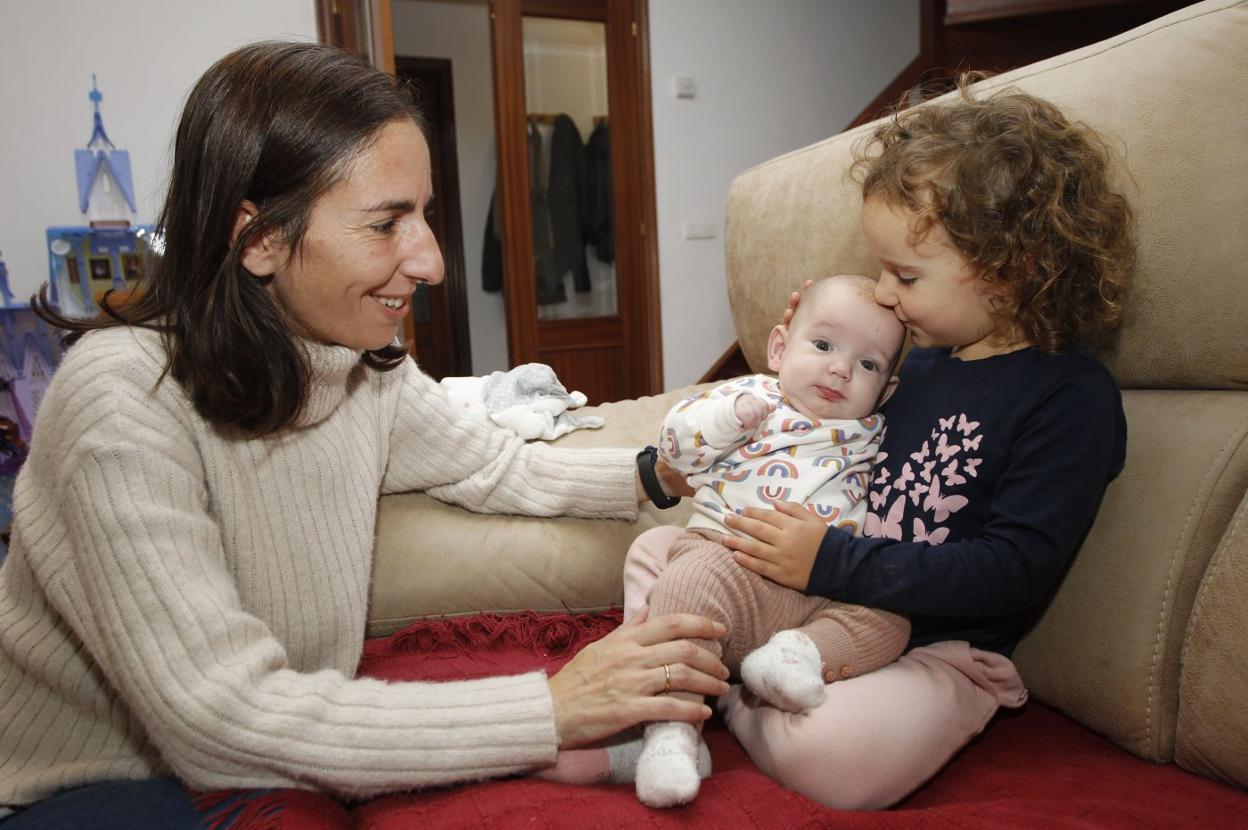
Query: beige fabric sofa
[[1146, 641]]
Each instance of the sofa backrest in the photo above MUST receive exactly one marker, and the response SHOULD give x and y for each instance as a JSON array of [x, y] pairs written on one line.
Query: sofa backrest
[[1109, 650]]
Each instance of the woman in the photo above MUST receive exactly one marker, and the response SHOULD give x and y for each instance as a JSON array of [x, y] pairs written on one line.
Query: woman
[[187, 587]]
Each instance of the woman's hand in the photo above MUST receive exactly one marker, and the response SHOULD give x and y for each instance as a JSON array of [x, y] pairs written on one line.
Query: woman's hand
[[783, 543], [673, 481], [620, 680]]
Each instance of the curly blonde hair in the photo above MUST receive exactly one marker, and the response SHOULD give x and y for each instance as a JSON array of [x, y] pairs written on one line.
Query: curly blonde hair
[[1025, 197]]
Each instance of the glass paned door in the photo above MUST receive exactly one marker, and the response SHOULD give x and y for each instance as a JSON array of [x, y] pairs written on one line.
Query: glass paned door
[[569, 155]]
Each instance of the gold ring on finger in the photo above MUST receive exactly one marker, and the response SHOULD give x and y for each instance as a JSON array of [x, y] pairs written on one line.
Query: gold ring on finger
[[667, 679]]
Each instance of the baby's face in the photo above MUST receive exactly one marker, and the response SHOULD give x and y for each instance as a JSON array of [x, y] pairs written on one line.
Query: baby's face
[[835, 359]]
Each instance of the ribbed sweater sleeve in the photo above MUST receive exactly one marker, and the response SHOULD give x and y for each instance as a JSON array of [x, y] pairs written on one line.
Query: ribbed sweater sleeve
[[210, 684], [492, 470], [120, 544]]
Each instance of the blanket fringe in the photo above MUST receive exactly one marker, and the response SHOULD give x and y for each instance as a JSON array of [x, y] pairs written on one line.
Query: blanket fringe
[[554, 634]]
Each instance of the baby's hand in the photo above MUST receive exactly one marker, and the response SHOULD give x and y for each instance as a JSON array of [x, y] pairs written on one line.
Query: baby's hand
[[751, 411]]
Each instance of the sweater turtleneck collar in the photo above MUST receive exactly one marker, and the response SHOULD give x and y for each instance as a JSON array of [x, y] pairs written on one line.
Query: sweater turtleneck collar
[[332, 375]]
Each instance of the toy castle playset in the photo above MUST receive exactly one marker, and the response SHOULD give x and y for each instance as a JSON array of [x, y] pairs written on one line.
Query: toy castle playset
[[105, 252]]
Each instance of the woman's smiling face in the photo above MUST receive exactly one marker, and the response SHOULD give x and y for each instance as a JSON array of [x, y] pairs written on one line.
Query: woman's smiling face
[[366, 249]]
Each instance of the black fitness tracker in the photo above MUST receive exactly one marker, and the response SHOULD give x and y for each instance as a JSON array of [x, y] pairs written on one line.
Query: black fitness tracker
[[646, 459]]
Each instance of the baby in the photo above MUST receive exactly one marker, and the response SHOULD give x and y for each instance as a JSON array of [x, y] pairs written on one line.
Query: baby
[[808, 437]]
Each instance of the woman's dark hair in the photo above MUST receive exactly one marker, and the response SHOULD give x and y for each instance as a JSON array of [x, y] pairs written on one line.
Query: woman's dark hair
[[1026, 197], [277, 124]]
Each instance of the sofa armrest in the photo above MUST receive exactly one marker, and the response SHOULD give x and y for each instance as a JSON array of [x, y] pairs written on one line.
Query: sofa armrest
[[1213, 723], [1106, 650], [434, 559]]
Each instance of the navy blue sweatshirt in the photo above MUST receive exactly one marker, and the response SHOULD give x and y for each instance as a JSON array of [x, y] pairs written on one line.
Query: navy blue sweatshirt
[[989, 476]]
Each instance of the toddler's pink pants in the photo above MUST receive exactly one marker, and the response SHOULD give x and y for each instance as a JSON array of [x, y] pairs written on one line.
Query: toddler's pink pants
[[876, 737]]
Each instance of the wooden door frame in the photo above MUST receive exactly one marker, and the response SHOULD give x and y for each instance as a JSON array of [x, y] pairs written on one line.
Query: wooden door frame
[[366, 28], [454, 284], [361, 27], [636, 249]]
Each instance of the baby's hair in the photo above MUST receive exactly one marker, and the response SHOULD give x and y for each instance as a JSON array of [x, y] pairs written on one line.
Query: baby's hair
[[861, 285], [1024, 195]]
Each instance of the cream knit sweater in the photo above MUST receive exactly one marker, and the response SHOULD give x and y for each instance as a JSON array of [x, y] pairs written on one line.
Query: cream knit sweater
[[177, 599]]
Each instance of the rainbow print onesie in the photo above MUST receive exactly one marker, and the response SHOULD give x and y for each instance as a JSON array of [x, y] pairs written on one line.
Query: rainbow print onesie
[[825, 465]]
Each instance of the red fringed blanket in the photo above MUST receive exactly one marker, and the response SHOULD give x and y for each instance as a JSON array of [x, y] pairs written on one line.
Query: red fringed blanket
[[1031, 768]]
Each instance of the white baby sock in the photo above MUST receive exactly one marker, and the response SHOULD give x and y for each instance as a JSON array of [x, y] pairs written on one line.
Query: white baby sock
[[614, 761], [786, 672], [625, 755], [667, 771]]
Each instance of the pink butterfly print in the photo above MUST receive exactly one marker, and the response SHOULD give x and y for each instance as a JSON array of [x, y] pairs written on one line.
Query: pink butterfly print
[[947, 423], [966, 427], [921, 454], [946, 450], [969, 465], [906, 475], [971, 443], [937, 536], [916, 492], [932, 435], [942, 506], [878, 499], [882, 477], [926, 475], [880, 458], [888, 527], [951, 475]]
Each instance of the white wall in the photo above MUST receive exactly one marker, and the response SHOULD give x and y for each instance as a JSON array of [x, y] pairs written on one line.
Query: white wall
[[771, 77], [459, 30], [146, 55]]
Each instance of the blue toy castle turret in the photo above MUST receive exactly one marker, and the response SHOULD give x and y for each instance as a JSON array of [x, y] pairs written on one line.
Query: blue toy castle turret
[[105, 252], [105, 186]]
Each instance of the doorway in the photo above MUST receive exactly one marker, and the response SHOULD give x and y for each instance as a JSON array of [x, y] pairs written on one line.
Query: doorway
[[608, 343], [437, 328], [576, 188]]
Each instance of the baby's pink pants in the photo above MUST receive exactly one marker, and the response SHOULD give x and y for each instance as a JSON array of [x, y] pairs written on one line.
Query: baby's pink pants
[[876, 737]]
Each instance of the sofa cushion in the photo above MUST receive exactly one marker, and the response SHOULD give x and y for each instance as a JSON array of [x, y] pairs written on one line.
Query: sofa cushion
[[1213, 722], [1168, 95], [433, 559], [1106, 650]]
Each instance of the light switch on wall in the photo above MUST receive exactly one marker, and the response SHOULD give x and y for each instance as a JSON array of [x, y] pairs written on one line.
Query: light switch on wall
[[684, 86], [699, 230]]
